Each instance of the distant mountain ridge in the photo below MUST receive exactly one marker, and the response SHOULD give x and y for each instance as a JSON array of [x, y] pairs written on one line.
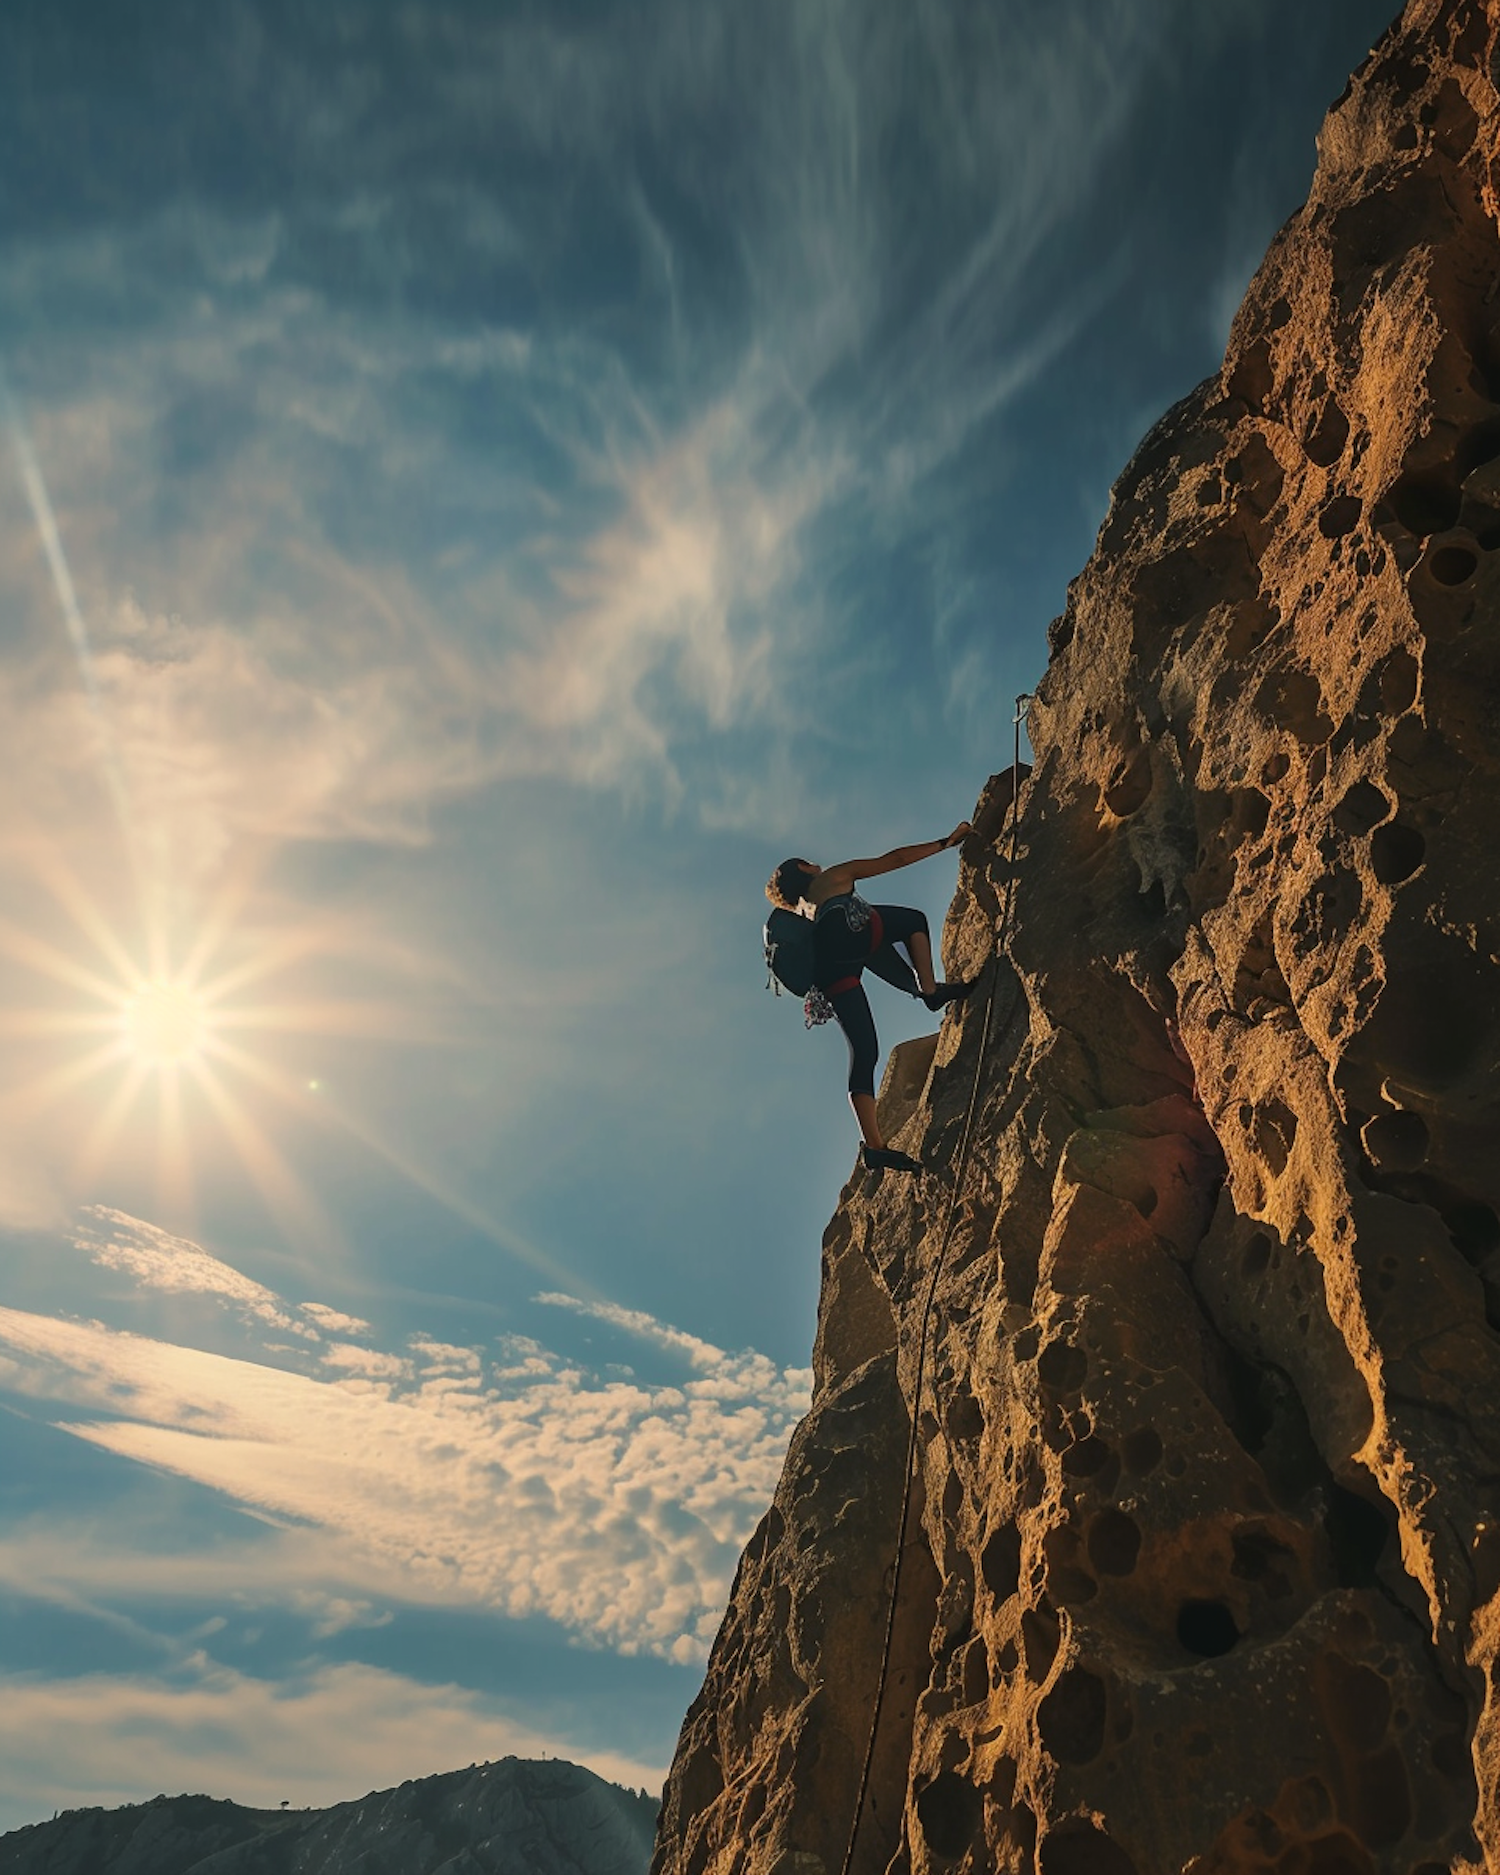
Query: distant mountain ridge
[[513, 1817]]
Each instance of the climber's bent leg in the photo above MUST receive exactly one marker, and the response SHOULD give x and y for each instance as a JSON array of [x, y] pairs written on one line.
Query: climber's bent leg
[[904, 924]]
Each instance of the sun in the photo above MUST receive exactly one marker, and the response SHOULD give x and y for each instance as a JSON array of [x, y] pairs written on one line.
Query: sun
[[166, 1024], [182, 1022]]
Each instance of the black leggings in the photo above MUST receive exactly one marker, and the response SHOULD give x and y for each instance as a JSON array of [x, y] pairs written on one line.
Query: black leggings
[[852, 1007]]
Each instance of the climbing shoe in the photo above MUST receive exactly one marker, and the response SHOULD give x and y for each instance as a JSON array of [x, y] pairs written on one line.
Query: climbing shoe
[[887, 1159], [946, 993]]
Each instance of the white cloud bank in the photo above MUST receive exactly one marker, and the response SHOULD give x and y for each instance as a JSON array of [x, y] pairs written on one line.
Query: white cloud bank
[[506, 1477]]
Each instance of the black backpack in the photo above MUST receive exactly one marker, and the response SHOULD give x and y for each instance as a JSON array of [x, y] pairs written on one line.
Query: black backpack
[[791, 949]]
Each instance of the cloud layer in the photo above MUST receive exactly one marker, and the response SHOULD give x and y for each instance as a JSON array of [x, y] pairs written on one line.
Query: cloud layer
[[503, 1477]]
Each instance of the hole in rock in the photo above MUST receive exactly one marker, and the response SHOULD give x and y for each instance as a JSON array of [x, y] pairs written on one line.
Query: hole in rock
[[1396, 852], [1434, 1020], [1142, 1450], [1206, 1629], [950, 1812], [1256, 1256], [964, 1418], [1452, 565], [1062, 1366], [1083, 1851], [1114, 1543], [1001, 1563], [1024, 1345], [1071, 1717], [1326, 443], [1481, 445], [1087, 1458], [1129, 787], [1251, 812], [1396, 1142], [1340, 516], [1040, 1634], [1023, 1830], [1252, 378], [1361, 808], [1473, 1227], [1275, 1135], [1357, 1533], [976, 1674], [1425, 506], [1293, 700], [1398, 682], [1276, 767]]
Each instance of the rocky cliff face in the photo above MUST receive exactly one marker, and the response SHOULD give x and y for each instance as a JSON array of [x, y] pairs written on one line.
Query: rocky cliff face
[[508, 1818], [1203, 1563]]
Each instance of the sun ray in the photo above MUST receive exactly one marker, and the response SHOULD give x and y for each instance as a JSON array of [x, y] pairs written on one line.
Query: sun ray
[[100, 1139], [340, 1120], [223, 912], [22, 1022], [289, 948], [36, 1096], [289, 1202], [174, 1172], [344, 1018], [61, 881], [37, 954]]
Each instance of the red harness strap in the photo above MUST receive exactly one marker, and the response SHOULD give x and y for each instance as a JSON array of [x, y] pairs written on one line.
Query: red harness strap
[[844, 983]]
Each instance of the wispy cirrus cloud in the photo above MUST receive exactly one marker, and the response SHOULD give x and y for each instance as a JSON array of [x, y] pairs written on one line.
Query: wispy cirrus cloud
[[352, 598]]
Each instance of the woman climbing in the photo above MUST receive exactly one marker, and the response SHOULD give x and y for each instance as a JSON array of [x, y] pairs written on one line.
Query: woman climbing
[[849, 937]]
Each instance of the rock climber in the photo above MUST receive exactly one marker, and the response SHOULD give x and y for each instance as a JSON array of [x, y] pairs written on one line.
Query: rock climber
[[851, 936]]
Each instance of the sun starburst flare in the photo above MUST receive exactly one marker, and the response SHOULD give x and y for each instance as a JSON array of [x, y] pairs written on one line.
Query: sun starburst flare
[[121, 1031]]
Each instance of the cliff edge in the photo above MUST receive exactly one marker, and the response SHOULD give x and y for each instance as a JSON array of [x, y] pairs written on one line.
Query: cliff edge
[[1202, 1565]]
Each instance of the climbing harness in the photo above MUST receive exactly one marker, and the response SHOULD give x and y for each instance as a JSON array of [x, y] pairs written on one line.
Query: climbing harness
[[961, 1166]]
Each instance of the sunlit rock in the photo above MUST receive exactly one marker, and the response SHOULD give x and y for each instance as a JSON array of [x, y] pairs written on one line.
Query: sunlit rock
[[1204, 1549]]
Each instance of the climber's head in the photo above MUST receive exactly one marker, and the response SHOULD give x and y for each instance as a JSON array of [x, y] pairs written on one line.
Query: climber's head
[[786, 885]]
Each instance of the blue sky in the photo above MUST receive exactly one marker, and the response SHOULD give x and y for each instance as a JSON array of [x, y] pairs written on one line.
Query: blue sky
[[480, 485]]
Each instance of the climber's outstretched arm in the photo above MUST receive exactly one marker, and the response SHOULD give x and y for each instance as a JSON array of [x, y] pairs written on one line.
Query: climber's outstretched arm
[[845, 876]]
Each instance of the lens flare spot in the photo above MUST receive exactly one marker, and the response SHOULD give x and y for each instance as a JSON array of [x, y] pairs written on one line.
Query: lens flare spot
[[165, 1022]]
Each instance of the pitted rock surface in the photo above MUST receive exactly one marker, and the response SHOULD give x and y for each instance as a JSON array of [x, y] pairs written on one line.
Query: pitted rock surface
[[1203, 1562]]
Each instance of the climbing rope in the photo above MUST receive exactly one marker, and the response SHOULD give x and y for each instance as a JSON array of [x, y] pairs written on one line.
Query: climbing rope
[[961, 1166]]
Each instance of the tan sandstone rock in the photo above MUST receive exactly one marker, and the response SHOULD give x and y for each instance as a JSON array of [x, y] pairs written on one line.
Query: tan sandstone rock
[[1204, 1551]]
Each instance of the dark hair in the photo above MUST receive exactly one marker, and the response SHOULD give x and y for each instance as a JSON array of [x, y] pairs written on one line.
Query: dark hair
[[784, 887]]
